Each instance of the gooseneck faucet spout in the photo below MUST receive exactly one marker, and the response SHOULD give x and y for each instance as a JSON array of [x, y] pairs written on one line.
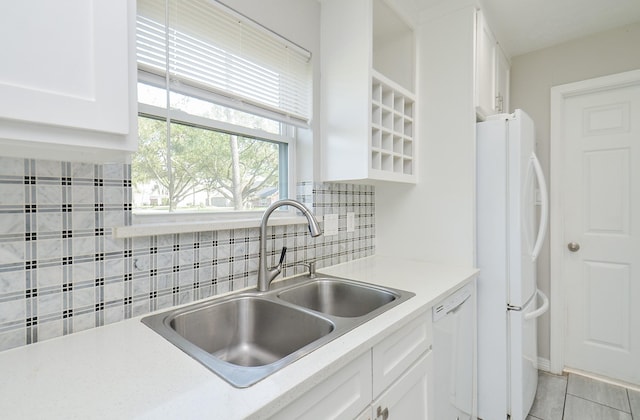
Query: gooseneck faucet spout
[[265, 274]]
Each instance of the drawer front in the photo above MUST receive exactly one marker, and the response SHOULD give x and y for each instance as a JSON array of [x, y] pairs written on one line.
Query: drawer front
[[343, 395], [396, 353]]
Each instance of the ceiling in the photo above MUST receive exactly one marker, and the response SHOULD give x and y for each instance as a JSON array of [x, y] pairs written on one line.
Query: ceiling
[[522, 26]]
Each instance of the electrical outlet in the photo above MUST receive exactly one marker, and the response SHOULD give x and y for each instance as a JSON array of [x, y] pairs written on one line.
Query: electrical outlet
[[330, 224], [351, 221]]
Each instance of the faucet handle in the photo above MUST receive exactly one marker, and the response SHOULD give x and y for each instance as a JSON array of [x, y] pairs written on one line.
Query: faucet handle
[[282, 255], [278, 267]]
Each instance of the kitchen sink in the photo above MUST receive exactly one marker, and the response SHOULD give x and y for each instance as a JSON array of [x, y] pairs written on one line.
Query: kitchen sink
[[338, 297], [246, 336], [249, 331]]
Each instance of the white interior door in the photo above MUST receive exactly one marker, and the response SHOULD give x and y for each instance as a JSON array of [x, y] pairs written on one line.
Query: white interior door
[[601, 231]]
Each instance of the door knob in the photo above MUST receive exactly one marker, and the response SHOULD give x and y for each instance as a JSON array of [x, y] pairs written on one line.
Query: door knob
[[573, 246]]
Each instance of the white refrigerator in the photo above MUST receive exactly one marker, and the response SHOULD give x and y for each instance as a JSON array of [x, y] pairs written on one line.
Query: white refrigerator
[[512, 214]]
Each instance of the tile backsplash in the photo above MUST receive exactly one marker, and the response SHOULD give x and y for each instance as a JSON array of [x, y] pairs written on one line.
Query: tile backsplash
[[61, 271]]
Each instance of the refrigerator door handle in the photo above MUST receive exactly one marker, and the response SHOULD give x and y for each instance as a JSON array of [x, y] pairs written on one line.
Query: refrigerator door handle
[[544, 210], [542, 309]]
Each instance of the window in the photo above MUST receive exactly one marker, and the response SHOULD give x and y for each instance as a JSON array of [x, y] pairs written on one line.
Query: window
[[221, 100]]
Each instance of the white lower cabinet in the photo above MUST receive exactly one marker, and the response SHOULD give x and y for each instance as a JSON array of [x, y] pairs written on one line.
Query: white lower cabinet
[[399, 351], [389, 381], [408, 397], [366, 414], [341, 396]]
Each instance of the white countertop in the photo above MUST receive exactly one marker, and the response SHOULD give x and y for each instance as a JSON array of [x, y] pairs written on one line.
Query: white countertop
[[126, 370]]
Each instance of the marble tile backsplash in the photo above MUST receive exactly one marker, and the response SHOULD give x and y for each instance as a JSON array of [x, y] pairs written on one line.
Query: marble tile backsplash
[[61, 271]]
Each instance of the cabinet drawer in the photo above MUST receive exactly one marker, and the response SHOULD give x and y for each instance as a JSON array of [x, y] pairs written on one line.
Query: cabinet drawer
[[344, 395], [400, 350]]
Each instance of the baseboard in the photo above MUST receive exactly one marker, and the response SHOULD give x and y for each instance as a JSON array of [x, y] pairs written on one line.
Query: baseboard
[[544, 364], [611, 381]]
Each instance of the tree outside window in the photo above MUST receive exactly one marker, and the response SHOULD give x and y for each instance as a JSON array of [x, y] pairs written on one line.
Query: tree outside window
[[200, 169]]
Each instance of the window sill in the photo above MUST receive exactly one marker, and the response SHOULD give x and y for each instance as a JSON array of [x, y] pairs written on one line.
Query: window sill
[[152, 229]]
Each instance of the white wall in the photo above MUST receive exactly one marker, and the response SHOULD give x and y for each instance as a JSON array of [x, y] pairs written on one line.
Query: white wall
[[533, 75], [299, 22], [435, 219]]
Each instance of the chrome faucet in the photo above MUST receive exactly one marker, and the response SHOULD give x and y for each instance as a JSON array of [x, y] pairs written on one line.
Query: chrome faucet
[[266, 275]]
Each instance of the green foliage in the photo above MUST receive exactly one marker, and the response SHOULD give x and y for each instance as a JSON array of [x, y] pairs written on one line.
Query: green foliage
[[203, 160]]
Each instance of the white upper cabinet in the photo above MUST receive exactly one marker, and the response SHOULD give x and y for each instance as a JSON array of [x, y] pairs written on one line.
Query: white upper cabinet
[[368, 102], [492, 72], [68, 75], [503, 71]]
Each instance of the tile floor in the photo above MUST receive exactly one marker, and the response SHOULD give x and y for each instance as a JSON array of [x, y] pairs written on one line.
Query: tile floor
[[574, 397]]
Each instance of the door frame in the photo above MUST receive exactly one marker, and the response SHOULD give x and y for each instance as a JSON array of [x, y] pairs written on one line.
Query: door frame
[[557, 315]]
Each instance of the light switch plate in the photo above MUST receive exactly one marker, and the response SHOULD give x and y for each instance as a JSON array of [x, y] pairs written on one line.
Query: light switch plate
[[330, 224]]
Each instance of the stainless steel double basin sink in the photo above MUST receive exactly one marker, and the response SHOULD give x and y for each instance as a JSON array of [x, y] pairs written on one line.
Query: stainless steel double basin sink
[[245, 337]]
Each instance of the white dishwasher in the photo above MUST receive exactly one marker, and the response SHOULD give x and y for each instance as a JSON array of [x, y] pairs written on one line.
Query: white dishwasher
[[454, 355]]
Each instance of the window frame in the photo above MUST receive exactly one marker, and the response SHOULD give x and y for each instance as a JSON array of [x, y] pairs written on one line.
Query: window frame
[[149, 74], [181, 117]]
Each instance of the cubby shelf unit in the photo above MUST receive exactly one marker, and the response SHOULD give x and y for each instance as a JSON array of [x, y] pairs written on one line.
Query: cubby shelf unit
[[392, 147], [368, 110]]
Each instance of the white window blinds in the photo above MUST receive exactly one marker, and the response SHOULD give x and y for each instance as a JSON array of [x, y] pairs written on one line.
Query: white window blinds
[[205, 45]]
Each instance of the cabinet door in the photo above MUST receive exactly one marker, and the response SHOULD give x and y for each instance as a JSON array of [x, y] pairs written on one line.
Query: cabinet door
[[485, 67], [66, 64], [367, 414], [408, 398], [344, 395], [503, 69], [68, 79], [397, 352]]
